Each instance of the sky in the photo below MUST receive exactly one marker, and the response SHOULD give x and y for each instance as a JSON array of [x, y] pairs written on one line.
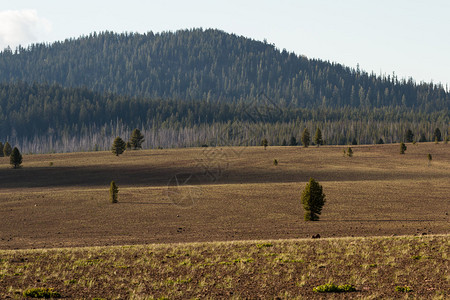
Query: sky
[[407, 37]]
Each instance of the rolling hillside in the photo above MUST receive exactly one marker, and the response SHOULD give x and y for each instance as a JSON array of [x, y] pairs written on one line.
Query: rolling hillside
[[196, 87], [209, 65]]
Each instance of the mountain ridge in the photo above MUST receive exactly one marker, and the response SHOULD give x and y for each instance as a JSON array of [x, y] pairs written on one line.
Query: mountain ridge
[[209, 65]]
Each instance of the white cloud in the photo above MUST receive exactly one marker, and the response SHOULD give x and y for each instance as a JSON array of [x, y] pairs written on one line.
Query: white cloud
[[22, 27]]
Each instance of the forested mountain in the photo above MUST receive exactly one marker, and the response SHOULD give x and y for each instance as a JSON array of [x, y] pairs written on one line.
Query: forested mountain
[[209, 65], [196, 87]]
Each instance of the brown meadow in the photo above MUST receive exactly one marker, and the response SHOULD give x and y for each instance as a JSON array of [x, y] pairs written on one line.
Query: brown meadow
[[61, 200], [200, 198]]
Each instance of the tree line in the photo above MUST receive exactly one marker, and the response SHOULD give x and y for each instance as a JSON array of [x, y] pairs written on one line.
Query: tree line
[[29, 111]]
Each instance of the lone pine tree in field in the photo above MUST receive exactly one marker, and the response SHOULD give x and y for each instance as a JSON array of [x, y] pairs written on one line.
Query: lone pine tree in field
[[318, 137], [7, 149], [306, 138], [136, 139], [313, 200], [264, 143], [118, 146], [113, 192], [16, 158], [349, 152], [402, 148], [1, 149]]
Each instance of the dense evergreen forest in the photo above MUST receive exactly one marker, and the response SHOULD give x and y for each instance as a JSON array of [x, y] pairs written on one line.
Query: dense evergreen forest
[[197, 87]]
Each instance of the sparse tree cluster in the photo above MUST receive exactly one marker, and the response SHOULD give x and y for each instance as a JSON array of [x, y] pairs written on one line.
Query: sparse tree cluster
[[135, 143]]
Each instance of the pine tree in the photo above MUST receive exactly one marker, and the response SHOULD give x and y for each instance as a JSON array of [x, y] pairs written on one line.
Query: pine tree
[[113, 192], [264, 143], [409, 136], [354, 142], [293, 141], [306, 138], [16, 158], [422, 138], [318, 137], [313, 200], [7, 149], [136, 139], [284, 143], [437, 135], [1, 149], [349, 152], [380, 141], [402, 148], [118, 146]]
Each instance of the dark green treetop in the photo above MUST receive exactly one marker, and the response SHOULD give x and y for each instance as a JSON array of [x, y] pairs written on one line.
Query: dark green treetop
[[318, 137], [118, 146], [7, 149], [16, 158], [313, 200], [306, 138], [136, 139]]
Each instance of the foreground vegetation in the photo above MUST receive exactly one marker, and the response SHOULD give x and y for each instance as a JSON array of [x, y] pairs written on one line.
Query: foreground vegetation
[[383, 267]]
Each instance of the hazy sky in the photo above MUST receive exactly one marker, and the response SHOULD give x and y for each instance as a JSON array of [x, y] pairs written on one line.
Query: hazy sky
[[408, 37]]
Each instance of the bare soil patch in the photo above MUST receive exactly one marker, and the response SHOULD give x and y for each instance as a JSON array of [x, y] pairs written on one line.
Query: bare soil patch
[[221, 194]]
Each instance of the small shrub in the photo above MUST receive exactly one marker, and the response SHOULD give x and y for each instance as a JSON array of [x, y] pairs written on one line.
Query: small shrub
[[113, 192], [349, 152], [332, 288], [264, 245], [402, 148], [264, 143], [41, 293], [403, 289]]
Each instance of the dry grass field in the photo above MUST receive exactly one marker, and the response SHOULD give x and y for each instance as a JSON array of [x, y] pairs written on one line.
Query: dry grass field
[[219, 194], [194, 205], [285, 269]]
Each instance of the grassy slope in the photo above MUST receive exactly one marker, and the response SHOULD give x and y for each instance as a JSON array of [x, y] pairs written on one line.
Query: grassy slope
[[263, 269]]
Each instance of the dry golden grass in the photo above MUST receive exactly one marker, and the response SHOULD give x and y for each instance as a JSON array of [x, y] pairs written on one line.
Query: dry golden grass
[[61, 200], [248, 269]]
